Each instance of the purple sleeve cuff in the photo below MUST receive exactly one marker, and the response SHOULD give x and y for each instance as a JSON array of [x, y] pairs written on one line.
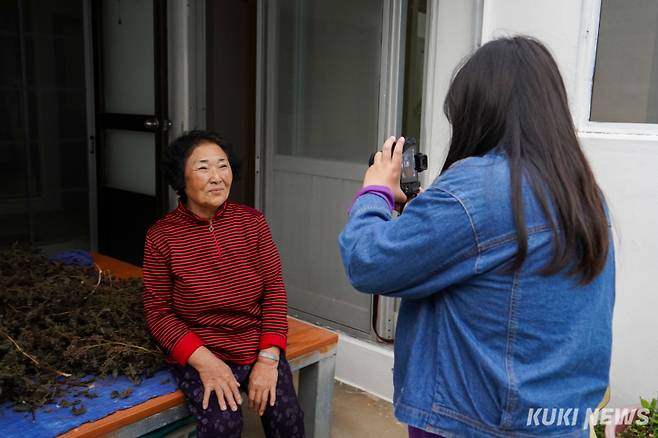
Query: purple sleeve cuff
[[382, 191]]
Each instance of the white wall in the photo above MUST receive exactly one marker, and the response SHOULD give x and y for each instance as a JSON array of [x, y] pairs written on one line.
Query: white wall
[[626, 167], [365, 365], [555, 22]]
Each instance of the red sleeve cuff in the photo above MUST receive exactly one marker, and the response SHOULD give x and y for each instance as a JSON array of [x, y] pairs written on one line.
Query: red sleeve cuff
[[268, 340], [185, 347]]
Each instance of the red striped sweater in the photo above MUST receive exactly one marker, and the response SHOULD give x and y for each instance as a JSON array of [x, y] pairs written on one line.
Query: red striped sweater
[[216, 283]]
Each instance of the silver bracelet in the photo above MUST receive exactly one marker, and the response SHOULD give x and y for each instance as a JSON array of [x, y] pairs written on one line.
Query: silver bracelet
[[268, 355]]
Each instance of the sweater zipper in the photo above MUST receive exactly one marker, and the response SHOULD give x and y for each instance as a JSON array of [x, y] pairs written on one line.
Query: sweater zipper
[[214, 238]]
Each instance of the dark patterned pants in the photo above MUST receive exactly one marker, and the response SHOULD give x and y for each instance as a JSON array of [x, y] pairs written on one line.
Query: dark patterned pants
[[283, 420], [419, 433]]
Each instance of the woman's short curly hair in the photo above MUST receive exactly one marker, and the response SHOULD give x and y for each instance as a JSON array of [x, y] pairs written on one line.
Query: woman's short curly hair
[[180, 150]]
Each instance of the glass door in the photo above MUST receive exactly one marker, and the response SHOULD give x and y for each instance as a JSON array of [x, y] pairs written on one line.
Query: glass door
[[322, 76]]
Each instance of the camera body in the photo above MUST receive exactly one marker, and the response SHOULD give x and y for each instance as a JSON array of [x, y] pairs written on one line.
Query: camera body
[[413, 163]]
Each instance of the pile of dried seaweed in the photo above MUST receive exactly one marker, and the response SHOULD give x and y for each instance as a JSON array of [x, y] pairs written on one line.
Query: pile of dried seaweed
[[61, 324]]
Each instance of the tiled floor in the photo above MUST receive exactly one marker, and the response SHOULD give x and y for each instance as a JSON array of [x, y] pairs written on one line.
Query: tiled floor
[[356, 414]]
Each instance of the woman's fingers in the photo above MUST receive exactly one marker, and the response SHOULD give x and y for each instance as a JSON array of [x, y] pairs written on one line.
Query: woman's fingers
[[254, 400], [228, 396], [217, 376], [234, 387], [206, 396], [259, 401], [378, 158], [397, 152], [262, 402], [273, 394], [386, 148], [386, 168], [223, 395], [220, 398], [391, 156]]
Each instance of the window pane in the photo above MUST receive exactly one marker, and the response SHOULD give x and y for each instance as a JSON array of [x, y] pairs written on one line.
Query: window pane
[[626, 73], [327, 67], [127, 57], [129, 163]]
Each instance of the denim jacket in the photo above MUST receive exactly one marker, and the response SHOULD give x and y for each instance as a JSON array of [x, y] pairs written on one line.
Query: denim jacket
[[479, 350]]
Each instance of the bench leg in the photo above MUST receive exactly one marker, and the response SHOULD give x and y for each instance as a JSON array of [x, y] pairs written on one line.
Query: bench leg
[[316, 390]]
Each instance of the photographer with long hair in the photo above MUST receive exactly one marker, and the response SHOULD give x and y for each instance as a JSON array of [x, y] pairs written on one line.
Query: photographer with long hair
[[505, 264]]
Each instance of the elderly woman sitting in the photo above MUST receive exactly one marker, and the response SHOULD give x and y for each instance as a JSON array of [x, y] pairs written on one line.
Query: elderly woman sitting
[[214, 297]]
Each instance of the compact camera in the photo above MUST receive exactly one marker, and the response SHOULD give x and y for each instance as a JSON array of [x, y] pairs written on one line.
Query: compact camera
[[413, 162]]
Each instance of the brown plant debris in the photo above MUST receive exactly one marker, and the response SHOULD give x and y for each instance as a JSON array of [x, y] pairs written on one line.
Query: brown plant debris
[[122, 394], [60, 324]]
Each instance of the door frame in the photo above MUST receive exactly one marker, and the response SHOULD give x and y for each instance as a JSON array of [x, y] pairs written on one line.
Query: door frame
[[92, 165]]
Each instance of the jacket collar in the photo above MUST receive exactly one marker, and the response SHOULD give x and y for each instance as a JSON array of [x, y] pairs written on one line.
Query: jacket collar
[[182, 210]]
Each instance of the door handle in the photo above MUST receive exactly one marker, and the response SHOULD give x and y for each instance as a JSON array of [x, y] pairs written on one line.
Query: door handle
[[152, 124]]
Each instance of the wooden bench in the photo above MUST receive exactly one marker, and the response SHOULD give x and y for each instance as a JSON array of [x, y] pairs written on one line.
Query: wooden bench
[[311, 351]]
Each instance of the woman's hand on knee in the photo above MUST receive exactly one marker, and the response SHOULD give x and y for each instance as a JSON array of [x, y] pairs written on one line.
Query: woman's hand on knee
[[216, 376], [262, 384]]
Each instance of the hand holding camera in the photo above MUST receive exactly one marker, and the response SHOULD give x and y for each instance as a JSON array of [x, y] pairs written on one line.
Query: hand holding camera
[[386, 169], [397, 166]]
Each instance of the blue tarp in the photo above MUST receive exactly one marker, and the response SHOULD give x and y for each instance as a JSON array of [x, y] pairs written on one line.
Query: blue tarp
[[77, 257], [52, 420]]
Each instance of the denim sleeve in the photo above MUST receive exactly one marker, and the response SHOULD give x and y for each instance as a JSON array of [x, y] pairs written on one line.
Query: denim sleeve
[[431, 246]]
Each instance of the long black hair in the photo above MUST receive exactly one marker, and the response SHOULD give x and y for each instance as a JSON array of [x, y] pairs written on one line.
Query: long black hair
[[509, 93]]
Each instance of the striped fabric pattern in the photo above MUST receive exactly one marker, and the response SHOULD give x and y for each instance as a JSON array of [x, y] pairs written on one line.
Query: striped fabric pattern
[[214, 282]]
